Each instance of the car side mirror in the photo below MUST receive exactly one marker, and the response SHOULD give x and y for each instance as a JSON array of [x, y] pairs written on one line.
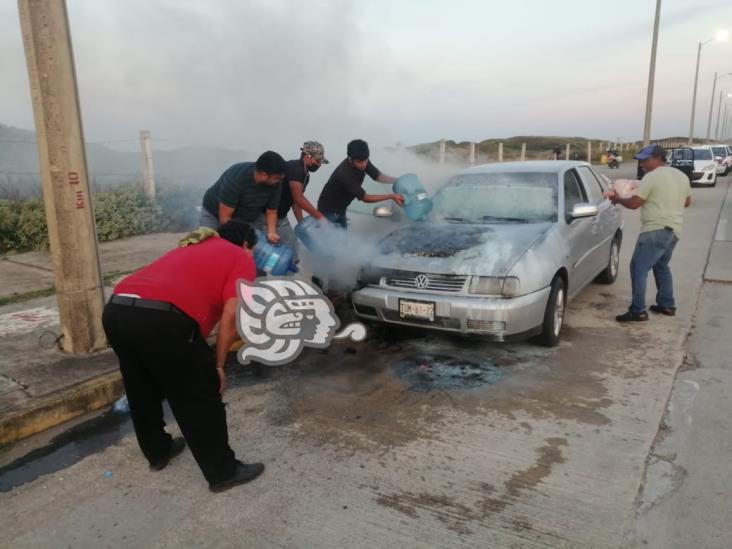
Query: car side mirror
[[583, 209], [383, 211]]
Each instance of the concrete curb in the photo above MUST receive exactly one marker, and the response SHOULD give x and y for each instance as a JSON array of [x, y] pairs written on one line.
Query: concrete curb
[[48, 411]]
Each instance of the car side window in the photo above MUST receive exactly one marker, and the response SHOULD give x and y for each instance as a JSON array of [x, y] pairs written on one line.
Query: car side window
[[573, 193], [592, 185]]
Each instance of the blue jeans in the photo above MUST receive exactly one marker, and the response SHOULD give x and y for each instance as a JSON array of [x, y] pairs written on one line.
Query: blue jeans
[[653, 250]]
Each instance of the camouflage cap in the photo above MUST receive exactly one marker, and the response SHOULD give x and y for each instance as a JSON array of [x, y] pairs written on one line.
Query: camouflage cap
[[316, 150]]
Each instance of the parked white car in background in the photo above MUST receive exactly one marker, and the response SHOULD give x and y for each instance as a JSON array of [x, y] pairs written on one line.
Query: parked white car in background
[[705, 168], [723, 158]]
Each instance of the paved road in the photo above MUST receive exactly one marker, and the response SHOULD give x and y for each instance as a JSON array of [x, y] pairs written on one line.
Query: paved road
[[552, 454]]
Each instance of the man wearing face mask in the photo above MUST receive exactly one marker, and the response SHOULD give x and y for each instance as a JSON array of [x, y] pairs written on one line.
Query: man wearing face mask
[[297, 177], [243, 192], [345, 183]]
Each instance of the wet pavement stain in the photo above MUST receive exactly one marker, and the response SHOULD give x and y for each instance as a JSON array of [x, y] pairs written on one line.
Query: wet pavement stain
[[454, 515], [424, 373], [66, 449], [549, 455]]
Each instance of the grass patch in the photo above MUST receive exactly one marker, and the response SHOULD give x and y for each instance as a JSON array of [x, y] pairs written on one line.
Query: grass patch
[[26, 296], [107, 279]]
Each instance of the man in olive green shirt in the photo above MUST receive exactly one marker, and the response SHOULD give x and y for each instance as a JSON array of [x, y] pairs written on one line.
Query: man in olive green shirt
[[663, 194]]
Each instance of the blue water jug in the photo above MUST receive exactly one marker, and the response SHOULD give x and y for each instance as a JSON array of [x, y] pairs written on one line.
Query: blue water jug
[[417, 204], [321, 240], [275, 260]]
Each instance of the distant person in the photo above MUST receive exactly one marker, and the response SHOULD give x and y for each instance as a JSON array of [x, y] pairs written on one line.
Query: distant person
[[157, 322], [663, 194], [345, 184], [294, 183], [243, 191], [557, 152]]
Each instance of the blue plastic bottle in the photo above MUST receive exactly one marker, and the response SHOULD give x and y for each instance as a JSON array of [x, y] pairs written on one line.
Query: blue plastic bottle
[[319, 239], [417, 204], [274, 260]]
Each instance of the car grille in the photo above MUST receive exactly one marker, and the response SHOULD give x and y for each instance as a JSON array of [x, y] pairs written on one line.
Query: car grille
[[435, 282], [440, 321], [697, 175]]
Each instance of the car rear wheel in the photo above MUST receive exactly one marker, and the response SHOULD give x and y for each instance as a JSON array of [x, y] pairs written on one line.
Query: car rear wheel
[[610, 273], [554, 314]]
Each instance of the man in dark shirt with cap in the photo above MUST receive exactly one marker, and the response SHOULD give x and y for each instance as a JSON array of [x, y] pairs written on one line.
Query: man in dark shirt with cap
[[297, 177], [243, 191], [345, 183]]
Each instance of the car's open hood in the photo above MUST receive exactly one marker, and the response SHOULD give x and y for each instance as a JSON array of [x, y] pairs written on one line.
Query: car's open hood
[[488, 250]]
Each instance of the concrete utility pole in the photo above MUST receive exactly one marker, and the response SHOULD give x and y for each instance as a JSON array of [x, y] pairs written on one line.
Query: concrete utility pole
[[693, 99], [651, 77], [442, 151], [719, 112], [71, 228], [471, 154], [566, 154], [148, 174], [500, 152], [523, 152], [589, 152]]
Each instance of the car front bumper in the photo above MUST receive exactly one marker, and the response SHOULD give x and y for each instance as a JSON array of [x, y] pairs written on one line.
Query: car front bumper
[[704, 178], [496, 318]]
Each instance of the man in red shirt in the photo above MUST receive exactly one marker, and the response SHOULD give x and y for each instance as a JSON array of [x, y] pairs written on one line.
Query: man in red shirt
[[157, 322]]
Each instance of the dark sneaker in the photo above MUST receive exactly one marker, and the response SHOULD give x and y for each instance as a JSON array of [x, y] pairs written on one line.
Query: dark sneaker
[[632, 317], [668, 311], [177, 445], [244, 473]]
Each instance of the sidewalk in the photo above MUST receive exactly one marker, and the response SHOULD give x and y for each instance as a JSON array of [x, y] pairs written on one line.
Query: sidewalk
[[39, 385], [687, 494]]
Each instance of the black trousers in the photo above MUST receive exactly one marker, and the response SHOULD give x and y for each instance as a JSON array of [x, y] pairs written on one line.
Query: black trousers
[[162, 356]]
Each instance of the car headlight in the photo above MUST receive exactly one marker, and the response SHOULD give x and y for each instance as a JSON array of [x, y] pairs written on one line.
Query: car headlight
[[710, 167], [495, 286]]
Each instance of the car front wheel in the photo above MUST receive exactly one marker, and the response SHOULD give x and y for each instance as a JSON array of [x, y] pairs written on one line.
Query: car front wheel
[[610, 273], [554, 314]]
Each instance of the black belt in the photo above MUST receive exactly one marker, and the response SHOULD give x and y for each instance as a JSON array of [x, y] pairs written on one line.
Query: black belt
[[136, 302], [668, 229]]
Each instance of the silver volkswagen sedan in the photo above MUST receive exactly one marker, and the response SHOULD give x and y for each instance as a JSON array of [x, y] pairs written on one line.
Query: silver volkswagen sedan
[[504, 249]]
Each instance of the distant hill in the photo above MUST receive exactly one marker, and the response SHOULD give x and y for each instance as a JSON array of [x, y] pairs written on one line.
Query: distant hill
[[198, 166]]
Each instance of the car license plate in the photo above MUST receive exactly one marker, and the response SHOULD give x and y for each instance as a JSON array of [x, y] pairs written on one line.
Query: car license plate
[[423, 310]]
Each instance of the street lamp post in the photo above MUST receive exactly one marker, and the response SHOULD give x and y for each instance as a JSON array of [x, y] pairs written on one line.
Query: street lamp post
[[651, 76], [718, 135], [721, 37], [711, 103]]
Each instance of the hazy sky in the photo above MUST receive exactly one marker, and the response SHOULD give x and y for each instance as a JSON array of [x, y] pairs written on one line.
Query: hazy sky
[[272, 73]]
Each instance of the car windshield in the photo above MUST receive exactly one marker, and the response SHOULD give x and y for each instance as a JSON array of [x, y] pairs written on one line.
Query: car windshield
[[720, 151], [498, 198], [702, 154]]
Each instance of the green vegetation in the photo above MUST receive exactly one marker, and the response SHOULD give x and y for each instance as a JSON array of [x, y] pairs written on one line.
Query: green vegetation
[[119, 213], [17, 298]]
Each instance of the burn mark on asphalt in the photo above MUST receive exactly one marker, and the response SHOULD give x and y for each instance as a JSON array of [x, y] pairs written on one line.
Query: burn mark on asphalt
[[427, 372], [317, 397]]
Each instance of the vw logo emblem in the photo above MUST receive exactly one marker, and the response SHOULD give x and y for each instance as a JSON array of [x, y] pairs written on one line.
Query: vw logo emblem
[[421, 282]]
